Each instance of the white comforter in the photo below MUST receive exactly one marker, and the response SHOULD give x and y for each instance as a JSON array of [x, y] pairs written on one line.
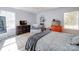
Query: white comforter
[[55, 41]]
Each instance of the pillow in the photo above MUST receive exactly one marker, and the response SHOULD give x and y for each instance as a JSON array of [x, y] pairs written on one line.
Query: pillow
[[56, 28], [75, 40]]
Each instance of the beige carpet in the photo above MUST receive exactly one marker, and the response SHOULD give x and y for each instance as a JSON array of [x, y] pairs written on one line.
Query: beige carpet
[[21, 39]]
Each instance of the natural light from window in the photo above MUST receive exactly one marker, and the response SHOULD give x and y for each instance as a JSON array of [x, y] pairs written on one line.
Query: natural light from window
[[10, 43], [71, 20], [10, 19]]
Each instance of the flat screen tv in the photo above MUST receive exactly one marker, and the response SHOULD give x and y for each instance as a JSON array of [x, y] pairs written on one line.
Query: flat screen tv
[[2, 24], [23, 22]]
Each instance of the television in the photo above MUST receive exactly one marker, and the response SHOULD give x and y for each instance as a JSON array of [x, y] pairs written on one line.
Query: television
[[23, 22], [2, 24]]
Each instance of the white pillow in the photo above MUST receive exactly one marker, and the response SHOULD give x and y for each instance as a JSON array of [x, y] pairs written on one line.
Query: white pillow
[[75, 40]]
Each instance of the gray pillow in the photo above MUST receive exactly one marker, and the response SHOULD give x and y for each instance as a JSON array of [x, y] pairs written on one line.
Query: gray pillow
[[75, 40]]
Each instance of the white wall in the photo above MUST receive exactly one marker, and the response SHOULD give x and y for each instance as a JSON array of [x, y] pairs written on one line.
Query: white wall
[[20, 15], [57, 13]]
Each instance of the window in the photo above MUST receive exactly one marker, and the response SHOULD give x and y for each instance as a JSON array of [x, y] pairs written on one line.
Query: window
[[71, 20], [2, 24], [10, 19]]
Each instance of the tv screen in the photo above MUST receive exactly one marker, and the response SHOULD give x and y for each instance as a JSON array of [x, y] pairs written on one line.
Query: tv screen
[[2, 24], [23, 23]]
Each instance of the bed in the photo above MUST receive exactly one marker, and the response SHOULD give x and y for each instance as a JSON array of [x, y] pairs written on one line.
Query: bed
[[52, 41]]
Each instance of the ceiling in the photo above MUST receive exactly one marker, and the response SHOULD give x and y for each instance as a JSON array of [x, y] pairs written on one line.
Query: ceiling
[[35, 9]]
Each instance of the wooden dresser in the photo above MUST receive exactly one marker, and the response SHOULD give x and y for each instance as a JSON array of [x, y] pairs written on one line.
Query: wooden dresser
[[22, 29]]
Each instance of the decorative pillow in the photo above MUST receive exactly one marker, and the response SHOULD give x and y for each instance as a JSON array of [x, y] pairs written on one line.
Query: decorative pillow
[[75, 40], [56, 28]]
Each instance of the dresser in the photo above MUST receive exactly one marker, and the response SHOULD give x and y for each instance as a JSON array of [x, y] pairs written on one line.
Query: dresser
[[22, 29]]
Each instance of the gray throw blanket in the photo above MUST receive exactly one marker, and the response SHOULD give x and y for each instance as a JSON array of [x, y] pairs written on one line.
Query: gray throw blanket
[[31, 42]]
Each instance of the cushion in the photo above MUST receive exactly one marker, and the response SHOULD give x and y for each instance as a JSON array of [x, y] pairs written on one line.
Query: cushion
[[75, 40], [56, 28]]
